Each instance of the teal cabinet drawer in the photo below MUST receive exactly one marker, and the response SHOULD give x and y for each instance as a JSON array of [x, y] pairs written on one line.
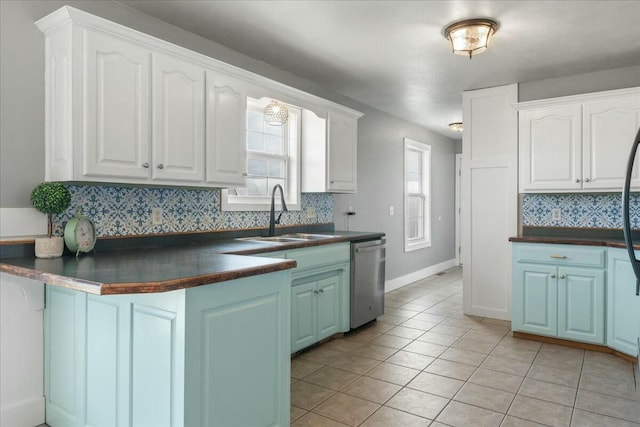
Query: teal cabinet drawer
[[561, 255], [320, 255]]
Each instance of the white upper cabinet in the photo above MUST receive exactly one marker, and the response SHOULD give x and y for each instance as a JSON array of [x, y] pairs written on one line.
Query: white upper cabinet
[[125, 107], [609, 128], [226, 130], [578, 143], [342, 153], [178, 119], [551, 148], [116, 77], [329, 152]]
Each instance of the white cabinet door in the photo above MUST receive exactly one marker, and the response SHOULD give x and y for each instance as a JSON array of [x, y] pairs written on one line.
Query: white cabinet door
[[551, 148], [178, 119], [609, 127], [226, 130], [342, 153], [116, 76]]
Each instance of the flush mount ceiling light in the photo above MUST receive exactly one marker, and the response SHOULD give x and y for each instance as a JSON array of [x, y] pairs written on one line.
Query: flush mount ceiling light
[[471, 36], [276, 113], [456, 126]]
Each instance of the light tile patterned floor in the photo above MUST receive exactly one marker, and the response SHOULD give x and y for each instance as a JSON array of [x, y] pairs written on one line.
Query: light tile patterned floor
[[424, 363]]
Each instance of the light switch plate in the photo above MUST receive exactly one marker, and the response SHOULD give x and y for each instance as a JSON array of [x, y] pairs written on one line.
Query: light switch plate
[[556, 214], [156, 216], [310, 213]]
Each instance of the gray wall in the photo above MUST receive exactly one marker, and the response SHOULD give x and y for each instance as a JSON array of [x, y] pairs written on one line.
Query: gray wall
[[380, 140], [380, 185], [618, 78]]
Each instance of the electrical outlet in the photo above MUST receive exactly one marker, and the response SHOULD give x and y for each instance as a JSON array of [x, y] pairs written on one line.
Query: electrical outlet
[[156, 216], [310, 212], [556, 214], [391, 211]]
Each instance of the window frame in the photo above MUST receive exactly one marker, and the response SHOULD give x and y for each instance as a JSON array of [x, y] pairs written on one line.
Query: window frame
[[423, 241], [291, 156]]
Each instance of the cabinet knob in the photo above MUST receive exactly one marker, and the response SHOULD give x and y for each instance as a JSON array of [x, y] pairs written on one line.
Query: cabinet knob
[[331, 182], [321, 291], [562, 276], [577, 179], [553, 276], [145, 165], [587, 180], [315, 292], [160, 166]]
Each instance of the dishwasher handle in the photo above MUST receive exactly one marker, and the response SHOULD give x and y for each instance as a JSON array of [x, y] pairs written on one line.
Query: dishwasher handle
[[371, 248]]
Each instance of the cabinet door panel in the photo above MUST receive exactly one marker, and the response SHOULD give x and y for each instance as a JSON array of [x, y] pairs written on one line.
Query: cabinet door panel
[[581, 304], [609, 128], [303, 315], [623, 313], [226, 136], [178, 119], [535, 299], [342, 153], [328, 307], [116, 76], [551, 148]]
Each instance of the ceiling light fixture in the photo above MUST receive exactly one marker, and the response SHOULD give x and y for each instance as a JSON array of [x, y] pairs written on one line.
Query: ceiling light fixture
[[456, 126], [471, 36], [276, 113]]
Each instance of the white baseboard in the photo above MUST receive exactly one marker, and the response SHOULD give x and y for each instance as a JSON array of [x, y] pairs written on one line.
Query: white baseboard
[[401, 281], [28, 413], [22, 222]]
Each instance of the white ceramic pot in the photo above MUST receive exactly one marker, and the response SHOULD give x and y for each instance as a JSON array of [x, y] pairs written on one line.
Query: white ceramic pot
[[49, 247]]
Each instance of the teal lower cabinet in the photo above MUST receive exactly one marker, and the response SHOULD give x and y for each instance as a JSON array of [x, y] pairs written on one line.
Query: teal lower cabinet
[[319, 293], [214, 355], [623, 316], [559, 291]]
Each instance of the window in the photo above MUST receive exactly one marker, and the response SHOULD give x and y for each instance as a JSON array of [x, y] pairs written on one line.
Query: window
[[272, 158], [417, 195]]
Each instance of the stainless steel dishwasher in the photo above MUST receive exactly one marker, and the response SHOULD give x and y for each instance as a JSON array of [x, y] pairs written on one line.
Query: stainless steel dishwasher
[[367, 280]]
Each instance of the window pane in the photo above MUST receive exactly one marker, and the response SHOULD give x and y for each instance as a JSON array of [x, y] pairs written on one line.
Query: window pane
[[273, 182], [276, 168], [273, 130], [255, 121], [415, 207], [274, 144], [257, 166], [257, 187], [255, 141], [414, 184], [414, 162]]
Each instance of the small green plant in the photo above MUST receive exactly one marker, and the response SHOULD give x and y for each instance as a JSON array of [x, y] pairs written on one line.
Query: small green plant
[[50, 198]]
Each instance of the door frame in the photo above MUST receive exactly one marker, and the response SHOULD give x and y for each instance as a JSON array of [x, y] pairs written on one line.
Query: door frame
[[458, 208]]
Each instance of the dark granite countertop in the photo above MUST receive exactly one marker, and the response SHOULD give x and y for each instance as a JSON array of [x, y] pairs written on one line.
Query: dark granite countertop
[[180, 263], [612, 238]]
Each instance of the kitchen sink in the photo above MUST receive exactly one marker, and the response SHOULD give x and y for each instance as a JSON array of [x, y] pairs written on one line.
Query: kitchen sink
[[288, 238]]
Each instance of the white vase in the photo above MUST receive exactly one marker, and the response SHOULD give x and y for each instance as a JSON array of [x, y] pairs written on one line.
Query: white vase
[[49, 247]]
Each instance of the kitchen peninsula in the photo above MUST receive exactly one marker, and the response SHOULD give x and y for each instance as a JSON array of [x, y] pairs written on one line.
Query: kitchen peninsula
[[176, 335]]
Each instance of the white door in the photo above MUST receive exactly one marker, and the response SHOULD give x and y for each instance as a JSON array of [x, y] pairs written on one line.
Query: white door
[[226, 130], [342, 134], [609, 129], [551, 148], [178, 119], [117, 108]]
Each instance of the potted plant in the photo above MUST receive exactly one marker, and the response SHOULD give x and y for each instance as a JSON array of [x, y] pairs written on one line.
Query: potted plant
[[50, 198]]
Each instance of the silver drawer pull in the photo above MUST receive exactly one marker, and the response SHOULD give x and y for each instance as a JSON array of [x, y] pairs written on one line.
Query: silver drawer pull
[[145, 165], [321, 291], [315, 292], [562, 276], [558, 256], [160, 166], [553, 276]]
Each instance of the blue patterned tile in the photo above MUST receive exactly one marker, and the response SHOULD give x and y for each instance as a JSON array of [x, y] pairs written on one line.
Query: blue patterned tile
[[579, 210], [122, 211]]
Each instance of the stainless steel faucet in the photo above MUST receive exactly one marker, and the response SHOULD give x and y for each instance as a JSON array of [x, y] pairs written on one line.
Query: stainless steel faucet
[[272, 214]]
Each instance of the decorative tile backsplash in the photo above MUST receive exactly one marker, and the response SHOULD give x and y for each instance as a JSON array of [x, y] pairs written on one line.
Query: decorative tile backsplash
[[122, 211], [579, 210]]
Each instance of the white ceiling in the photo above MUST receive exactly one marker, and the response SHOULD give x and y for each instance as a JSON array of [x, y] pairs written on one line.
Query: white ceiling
[[392, 55]]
